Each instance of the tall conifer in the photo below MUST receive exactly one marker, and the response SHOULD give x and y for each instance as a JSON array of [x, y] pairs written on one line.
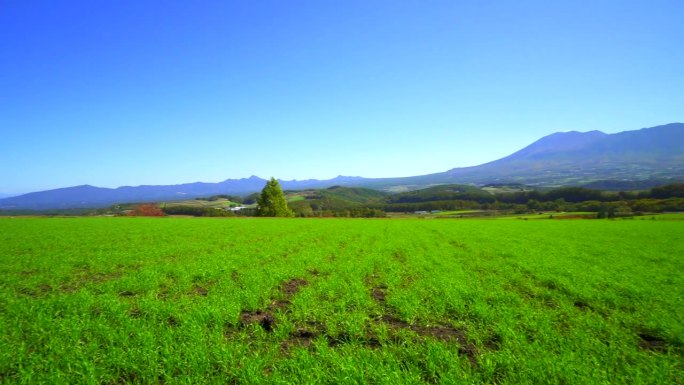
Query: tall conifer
[[271, 202]]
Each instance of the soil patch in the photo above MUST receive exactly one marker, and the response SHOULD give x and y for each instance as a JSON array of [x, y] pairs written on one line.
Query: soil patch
[[438, 332], [399, 256], [264, 319], [163, 292], [199, 290], [583, 305], [172, 321], [394, 322], [494, 342], [379, 295], [301, 338], [651, 342], [291, 287], [344, 338]]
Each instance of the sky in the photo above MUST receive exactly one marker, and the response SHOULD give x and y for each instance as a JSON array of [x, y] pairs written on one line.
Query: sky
[[112, 93]]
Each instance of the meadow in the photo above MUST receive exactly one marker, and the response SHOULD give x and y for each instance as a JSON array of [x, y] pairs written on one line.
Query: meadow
[[382, 301]]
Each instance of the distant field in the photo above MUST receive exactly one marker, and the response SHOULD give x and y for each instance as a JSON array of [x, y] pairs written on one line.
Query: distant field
[[218, 203], [249, 300]]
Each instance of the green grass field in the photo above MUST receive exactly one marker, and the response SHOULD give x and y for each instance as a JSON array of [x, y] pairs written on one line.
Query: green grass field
[[190, 300], [218, 203]]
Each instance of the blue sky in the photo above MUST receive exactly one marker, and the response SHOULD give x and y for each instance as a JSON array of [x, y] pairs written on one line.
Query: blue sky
[[113, 93]]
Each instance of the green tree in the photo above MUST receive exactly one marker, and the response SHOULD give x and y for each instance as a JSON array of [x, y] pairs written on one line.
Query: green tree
[[271, 202]]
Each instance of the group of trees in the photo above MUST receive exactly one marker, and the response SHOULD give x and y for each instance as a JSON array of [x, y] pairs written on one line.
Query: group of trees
[[348, 202], [146, 210], [197, 211]]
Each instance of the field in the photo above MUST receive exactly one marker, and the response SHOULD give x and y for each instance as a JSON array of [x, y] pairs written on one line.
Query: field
[[190, 300]]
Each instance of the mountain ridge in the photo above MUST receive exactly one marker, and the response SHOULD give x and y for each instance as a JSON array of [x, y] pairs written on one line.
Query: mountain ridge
[[561, 158]]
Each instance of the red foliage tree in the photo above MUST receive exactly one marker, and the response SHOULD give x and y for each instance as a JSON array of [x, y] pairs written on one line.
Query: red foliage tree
[[147, 210]]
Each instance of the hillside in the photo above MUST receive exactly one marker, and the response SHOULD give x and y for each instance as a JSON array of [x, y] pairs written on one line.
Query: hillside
[[576, 158]]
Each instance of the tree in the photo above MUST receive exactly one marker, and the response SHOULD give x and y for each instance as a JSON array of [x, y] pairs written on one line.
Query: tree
[[271, 202], [147, 210]]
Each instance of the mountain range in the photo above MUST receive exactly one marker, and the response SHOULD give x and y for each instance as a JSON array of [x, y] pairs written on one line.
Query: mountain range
[[559, 159]]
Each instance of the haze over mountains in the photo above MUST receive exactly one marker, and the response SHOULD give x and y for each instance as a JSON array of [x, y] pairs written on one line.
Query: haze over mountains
[[564, 158]]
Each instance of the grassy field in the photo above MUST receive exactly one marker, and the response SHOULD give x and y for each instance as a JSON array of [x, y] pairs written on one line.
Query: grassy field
[[218, 203], [190, 300]]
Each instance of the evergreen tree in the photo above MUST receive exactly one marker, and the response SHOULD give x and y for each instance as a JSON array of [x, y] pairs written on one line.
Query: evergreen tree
[[271, 202]]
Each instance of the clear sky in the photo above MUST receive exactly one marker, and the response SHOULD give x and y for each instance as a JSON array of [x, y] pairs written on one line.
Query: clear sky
[[113, 93]]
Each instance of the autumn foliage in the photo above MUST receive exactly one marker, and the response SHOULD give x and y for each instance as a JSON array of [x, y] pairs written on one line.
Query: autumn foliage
[[147, 210]]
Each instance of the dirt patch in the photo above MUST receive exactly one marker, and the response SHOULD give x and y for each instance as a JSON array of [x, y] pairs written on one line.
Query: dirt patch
[[583, 305], [299, 338], [554, 286], [163, 292], [172, 321], [135, 313], [494, 342], [280, 304], [470, 351], [317, 273], [304, 336], [651, 342], [291, 287], [379, 295], [199, 290], [442, 333], [344, 338], [399, 256], [445, 333], [264, 319], [407, 281], [394, 322]]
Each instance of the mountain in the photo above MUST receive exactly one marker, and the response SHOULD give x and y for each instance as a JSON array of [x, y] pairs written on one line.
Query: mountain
[[87, 196], [574, 158], [565, 158]]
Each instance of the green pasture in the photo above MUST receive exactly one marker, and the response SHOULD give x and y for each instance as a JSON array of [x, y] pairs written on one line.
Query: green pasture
[[218, 203], [341, 301]]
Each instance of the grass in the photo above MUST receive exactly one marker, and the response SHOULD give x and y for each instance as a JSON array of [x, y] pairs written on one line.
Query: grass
[[180, 300], [218, 203]]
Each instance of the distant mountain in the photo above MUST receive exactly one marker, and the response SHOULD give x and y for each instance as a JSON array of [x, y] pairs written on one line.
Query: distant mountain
[[577, 158], [91, 196], [565, 158], [574, 158]]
